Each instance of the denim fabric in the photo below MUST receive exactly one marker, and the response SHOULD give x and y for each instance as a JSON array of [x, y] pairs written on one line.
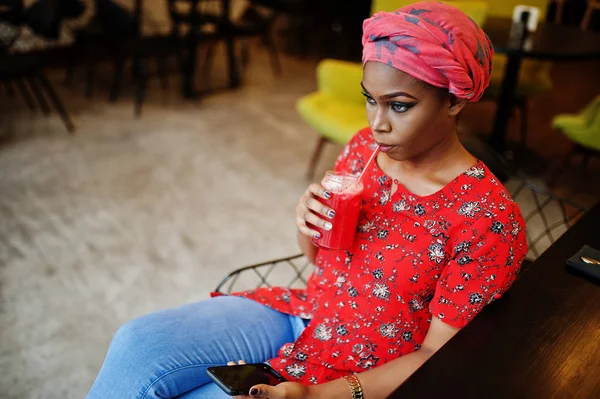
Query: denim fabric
[[165, 354]]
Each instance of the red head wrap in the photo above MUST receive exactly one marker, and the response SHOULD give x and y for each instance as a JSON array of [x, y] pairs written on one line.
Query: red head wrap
[[433, 42]]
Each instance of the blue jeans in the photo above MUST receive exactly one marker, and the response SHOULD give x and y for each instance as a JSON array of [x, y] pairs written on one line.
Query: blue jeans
[[165, 354]]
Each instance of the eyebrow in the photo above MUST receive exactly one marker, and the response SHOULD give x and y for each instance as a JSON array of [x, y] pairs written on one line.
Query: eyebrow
[[391, 95]]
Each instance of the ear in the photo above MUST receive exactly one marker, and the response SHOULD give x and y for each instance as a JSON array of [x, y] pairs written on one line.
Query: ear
[[456, 105]]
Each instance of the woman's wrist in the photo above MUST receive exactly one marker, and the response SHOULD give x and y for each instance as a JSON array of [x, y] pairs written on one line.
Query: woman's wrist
[[307, 246], [336, 389], [355, 386]]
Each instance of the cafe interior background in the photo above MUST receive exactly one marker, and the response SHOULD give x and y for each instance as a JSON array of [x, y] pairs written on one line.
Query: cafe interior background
[[148, 148]]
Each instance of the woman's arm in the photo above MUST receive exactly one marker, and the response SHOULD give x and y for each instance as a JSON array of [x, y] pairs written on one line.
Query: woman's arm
[[377, 383], [381, 381], [308, 248]]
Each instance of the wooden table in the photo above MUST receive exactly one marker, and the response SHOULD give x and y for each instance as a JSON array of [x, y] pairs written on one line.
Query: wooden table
[[541, 340], [550, 42]]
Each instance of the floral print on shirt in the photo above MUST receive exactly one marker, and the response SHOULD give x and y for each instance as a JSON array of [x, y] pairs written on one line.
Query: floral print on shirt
[[444, 255]]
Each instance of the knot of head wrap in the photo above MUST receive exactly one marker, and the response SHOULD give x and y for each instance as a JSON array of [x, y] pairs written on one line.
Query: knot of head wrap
[[433, 42]]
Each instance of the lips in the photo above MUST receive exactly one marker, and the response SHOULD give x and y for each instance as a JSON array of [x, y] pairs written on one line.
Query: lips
[[385, 147]]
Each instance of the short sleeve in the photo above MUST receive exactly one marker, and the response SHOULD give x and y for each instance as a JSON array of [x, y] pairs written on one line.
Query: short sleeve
[[486, 259], [352, 158]]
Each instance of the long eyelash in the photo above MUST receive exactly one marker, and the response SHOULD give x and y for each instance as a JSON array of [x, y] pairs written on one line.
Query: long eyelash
[[405, 105]]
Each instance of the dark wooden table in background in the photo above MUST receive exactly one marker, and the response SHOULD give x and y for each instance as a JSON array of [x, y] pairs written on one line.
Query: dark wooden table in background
[[541, 340], [552, 42]]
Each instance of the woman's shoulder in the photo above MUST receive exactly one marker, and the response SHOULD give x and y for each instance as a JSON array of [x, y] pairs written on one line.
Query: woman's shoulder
[[489, 192]]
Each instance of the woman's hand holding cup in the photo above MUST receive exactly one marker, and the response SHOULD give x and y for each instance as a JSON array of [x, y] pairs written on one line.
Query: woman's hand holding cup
[[310, 212]]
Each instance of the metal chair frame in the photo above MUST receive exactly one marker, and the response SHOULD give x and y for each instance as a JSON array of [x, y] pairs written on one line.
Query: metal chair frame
[[567, 220]]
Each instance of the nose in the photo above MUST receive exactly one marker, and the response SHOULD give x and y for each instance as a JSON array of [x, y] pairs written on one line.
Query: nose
[[380, 123]]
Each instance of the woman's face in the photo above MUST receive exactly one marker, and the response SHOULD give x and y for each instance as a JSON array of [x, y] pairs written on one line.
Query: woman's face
[[407, 117]]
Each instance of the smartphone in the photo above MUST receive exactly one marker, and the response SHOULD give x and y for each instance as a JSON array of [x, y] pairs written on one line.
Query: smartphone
[[238, 379]]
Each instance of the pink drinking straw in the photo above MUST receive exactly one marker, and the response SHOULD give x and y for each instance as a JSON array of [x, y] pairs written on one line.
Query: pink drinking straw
[[373, 155]]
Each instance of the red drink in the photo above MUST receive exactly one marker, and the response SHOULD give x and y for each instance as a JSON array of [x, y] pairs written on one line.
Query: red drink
[[345, 200]]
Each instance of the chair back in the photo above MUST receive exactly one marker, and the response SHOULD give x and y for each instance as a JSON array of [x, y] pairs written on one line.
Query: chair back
[[388, 5], [193, 15], [340, 80], [591, 115], [547, 216], [476, 9], [291, 272]]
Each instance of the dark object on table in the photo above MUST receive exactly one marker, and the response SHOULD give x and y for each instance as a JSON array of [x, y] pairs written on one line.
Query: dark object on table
[[539, 341], [586, 262]]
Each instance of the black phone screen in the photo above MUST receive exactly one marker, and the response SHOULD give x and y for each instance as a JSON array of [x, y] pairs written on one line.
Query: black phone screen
[[240, 378]]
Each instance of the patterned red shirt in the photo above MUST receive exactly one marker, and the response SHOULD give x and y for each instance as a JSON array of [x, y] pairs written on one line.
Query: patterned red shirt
[[446, 255]]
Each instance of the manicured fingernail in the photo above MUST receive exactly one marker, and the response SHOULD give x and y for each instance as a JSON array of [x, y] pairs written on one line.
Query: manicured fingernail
[[331, 214], [327, 226], [327, 194], [253, 391], [317, 236]]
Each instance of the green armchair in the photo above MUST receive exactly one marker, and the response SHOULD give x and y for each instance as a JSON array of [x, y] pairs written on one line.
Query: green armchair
[[583, 129], [337, 109]]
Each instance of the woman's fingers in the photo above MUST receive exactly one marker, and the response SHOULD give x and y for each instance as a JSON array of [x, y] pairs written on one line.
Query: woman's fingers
[[231, 363], [310, 212], [313, 219], [316, 206], [304, 229], [319, 191]]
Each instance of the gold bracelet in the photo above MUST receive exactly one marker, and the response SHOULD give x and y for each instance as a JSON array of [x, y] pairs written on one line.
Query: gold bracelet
[[355, 387]]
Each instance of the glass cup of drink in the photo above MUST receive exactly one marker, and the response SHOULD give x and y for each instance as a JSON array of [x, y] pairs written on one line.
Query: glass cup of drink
[[346, 198]]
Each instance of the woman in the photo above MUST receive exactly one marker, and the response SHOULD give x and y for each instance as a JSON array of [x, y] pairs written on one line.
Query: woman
[[438, 239]]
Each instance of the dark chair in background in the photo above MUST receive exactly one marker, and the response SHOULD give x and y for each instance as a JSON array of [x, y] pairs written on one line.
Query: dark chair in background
[[195, 22], [26, 73], [592, 6], [254, 23], [113, 35], [23, 71], [198, 22]]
